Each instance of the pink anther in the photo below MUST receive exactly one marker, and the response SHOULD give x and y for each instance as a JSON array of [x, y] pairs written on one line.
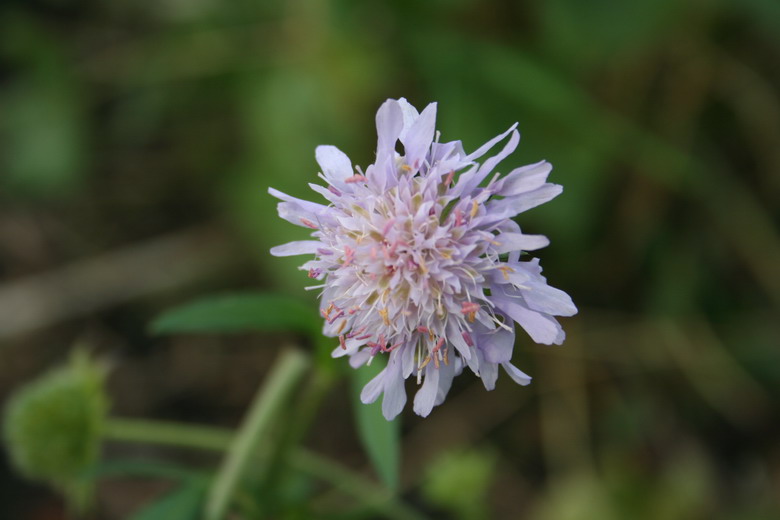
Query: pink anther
[[308, 223], [355, 178]]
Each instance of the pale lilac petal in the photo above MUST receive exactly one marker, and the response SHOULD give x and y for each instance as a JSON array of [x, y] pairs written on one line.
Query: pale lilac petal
[[499, 210], [389, 123], [336, 166], [419, 137], [497, 346], [426, 395], [482, 150], [306, 205], [488, 372], [517, 375], [407, 360], [395, 394], [455, 335], [446, 375], [541, 297], [473, 180], [360, 358], [523, 179], [373, 388], [520, 242], [410, 114], [542, 329], [301, 247]]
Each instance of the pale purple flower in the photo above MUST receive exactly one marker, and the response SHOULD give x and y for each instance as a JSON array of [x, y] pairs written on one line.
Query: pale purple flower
[[419, 258]]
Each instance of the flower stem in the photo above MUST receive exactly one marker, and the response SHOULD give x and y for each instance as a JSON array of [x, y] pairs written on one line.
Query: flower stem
[[211, 438], [168, 433], [268, 402]]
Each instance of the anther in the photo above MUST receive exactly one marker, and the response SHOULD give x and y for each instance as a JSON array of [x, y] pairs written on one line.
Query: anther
[[355, 178]]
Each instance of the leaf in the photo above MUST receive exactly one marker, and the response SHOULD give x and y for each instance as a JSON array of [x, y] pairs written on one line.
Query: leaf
[[380, 437], [184, 503], [239, 313]]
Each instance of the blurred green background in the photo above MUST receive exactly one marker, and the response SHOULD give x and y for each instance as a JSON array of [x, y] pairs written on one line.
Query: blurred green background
[[137, 141]]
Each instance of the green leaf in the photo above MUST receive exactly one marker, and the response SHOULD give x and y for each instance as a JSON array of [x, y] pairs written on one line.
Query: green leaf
[[239, 313], [380, 437], [183, 503]]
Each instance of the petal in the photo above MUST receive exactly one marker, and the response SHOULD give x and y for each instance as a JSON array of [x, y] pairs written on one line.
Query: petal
[[360, 358], [542, 328], [488, 372], [497, 345], [389, 123], [419, 137], [491, 163], [352, 345], [482, 150], [335, 164], [455, 337], [517, 375], [426, 395], [520, 242], [468, 182], [407, 360], [309, 206], [410, 114], [395, 394], [523, 179], [446, 374], [373, 388], [301, 247], [541, 297], [498, 210]]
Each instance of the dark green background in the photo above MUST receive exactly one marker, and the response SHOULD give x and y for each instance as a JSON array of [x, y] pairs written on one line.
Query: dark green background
[[125, 121]]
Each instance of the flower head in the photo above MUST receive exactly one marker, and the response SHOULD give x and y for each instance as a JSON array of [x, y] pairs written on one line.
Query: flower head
[[419, 258]]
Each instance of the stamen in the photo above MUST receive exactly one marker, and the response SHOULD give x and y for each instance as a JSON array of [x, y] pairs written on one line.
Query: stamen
[[308, 223], [334, 190], [385, 318], [387, 226], [355, 178], [458, 217], [349, 255], [342, 342], [469, 307], [474, 208], [341, 327]]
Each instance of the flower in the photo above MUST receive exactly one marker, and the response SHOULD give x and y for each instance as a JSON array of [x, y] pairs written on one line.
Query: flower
[[421, 261]]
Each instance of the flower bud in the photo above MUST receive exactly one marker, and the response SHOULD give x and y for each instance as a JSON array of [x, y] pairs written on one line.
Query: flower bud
[[53, 424]]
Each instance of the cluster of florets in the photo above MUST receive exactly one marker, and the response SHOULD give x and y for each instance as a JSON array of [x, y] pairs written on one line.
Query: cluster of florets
[[419, 258]]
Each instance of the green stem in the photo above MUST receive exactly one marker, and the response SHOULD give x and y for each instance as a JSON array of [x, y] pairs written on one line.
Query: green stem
[[353, 484], [268, 402], [168, 433], [219, 439]]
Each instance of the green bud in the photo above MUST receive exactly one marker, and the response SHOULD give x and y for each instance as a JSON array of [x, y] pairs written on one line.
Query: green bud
[[53, 425]]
